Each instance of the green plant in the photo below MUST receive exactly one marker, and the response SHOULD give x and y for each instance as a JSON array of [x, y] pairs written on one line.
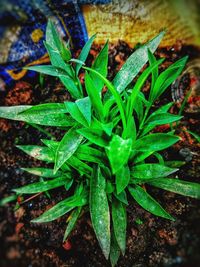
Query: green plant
[[108, 150]]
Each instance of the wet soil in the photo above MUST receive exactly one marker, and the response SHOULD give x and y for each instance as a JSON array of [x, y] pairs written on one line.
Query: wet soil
[[151, 241]]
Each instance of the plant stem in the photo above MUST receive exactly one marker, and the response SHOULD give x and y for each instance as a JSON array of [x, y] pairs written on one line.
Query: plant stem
[[143, 120]]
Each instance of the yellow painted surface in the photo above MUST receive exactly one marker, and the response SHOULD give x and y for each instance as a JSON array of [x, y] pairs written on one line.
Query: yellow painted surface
[[136, 21], [36, 35]]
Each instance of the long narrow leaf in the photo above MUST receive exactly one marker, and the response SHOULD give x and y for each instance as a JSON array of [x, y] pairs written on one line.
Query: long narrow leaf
[[84, 105], [101, 65], [151, 171], [46, 108], [139, 109], [152, 60], [122, 178], [137, 87], [38, 152], [195, 135], [84, 53], [148, 203], [55, 212], [177, 186], [57, 61], [130, 130], [42, 186], [96, 136], [94, 97], [56, 117], [155, 142], [72, 221], [62, 207], [114, 250], [80, 166], [159, 119], [72, 86], [134, 64], [48, 70], [12, 112], [89, 154], [99, 211], [119, 223], [114, 92], [163, 109], [43, 172], [52, 36], [162, 118], [166, 78], [66, 148], [8, 199], [140, 155]]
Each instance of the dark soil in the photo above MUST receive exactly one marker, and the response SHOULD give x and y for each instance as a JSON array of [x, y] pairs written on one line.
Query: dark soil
[[151, 241]]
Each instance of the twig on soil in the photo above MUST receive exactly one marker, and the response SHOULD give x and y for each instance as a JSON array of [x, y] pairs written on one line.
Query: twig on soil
[[30, 198]]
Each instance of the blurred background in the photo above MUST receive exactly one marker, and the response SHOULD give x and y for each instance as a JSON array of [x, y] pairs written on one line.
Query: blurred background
[[23, 24]]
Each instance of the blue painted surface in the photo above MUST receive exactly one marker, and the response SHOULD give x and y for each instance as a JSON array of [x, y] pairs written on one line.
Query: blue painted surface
[[30, 16]]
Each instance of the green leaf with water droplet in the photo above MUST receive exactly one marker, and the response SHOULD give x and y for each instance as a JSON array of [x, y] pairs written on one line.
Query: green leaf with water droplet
[[134, 64], [43, 172], [63, 207], [51, 114], [122, 178], [57, 61], [155, 142], [119, 223], [52, 36], [94, 97], [95, 136], [150, 171], [138, 86], [159, 119], [66, 148], [42, 186], [177, 186], [148, 203], [80, 166], [38, 152], [55, 212], [48, 70], [90, 154], [99, 210], [118, 152]]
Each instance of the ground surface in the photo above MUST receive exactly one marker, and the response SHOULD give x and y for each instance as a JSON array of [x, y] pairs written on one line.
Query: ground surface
[[151, 241]]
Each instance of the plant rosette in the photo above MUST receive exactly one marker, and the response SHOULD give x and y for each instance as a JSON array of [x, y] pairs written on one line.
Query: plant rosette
[[108, 140]]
